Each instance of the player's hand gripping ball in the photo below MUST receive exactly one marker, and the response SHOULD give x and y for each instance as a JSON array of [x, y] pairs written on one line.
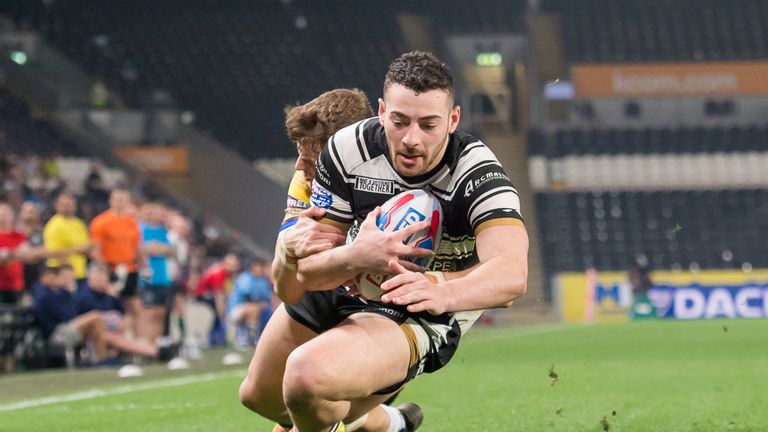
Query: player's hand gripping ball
[[400, 211]]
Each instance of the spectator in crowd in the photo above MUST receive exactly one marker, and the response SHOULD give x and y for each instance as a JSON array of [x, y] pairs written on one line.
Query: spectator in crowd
[[248, 305], [65, 231], [56, 312], [48, 278], [116, 243], [97, 294], [96, 192], [179, 268], [50, 166], [13, 183], [212, 289], [156, 279], [12, 245], [29, 225]]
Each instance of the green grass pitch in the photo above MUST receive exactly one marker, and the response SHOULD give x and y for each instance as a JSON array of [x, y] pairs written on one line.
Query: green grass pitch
[[641, 376]]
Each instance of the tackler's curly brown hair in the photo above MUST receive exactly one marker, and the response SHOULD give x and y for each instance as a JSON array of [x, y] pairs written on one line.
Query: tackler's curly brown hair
[[315, 121]]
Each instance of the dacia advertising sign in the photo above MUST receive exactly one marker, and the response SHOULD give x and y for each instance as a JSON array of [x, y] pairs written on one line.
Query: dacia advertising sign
[[698, 301], [607, 296]]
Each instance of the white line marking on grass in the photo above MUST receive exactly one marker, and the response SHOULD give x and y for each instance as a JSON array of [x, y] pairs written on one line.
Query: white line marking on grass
[[127, 388], [131, 406]]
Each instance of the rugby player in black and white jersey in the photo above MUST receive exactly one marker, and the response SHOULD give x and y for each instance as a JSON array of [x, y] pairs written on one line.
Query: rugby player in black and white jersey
[[368, 349]]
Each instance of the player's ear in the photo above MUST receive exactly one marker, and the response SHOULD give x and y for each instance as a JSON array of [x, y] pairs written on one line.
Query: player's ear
[[453, 118], [382, 110]]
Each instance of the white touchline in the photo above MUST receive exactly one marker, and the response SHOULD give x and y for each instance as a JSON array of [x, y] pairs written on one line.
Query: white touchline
[[127, 388]]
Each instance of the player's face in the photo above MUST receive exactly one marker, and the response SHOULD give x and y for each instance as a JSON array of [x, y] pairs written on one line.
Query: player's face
[[417, 126], [305, 162]]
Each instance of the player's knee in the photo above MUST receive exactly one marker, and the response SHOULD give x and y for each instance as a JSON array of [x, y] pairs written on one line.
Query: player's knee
[[248, 396], [257, 401], [305, 380]]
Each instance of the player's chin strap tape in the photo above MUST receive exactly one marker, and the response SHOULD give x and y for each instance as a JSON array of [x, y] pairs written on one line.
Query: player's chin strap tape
[[435, 277], [288, 260]]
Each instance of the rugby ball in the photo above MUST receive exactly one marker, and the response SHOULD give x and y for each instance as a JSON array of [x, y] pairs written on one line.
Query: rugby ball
[[399, 212]]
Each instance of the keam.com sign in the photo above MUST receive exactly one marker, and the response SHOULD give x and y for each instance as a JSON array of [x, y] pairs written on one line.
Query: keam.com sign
[[697, 301]]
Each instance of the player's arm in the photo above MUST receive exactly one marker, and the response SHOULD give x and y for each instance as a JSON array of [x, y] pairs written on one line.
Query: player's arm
[[492, 208], [502, 274], [306, 237], [300, 235], [328, 268], [499, 279]]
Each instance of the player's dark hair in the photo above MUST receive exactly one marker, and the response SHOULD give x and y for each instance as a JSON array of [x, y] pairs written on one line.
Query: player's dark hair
[[420, 71], [318, 119]]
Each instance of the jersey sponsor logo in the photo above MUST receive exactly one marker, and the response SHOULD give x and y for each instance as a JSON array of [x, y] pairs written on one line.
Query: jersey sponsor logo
[[321, 197], [366, 184], [485, 178], [292, 202], [469, 189], [453, 254], [322, 174]]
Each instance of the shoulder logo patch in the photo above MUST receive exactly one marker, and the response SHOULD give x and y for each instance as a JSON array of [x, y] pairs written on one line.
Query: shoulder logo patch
[[321, 197], [473, 184]]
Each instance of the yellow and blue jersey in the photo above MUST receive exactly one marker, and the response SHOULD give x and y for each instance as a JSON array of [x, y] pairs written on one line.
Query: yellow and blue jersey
[[299, 192]]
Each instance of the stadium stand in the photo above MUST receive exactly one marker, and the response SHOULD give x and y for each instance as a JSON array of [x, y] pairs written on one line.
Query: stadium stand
[[685, 229], [234, 64], [649, 140], [661, 30], [686, 196], [24, 134], [706, 180], [237, 64]]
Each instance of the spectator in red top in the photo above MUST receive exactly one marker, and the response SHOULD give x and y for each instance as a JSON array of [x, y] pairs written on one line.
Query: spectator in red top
[[12, 245], [214, 285]]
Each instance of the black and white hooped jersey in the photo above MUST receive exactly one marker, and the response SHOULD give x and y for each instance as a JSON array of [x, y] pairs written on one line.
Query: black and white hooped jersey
[[355, 174]]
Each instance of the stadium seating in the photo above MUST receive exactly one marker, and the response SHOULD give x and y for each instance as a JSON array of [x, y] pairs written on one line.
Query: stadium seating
[[675, 229], [662, 30], [237, 64], [24, 134], [646, 141], [635, 209]]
